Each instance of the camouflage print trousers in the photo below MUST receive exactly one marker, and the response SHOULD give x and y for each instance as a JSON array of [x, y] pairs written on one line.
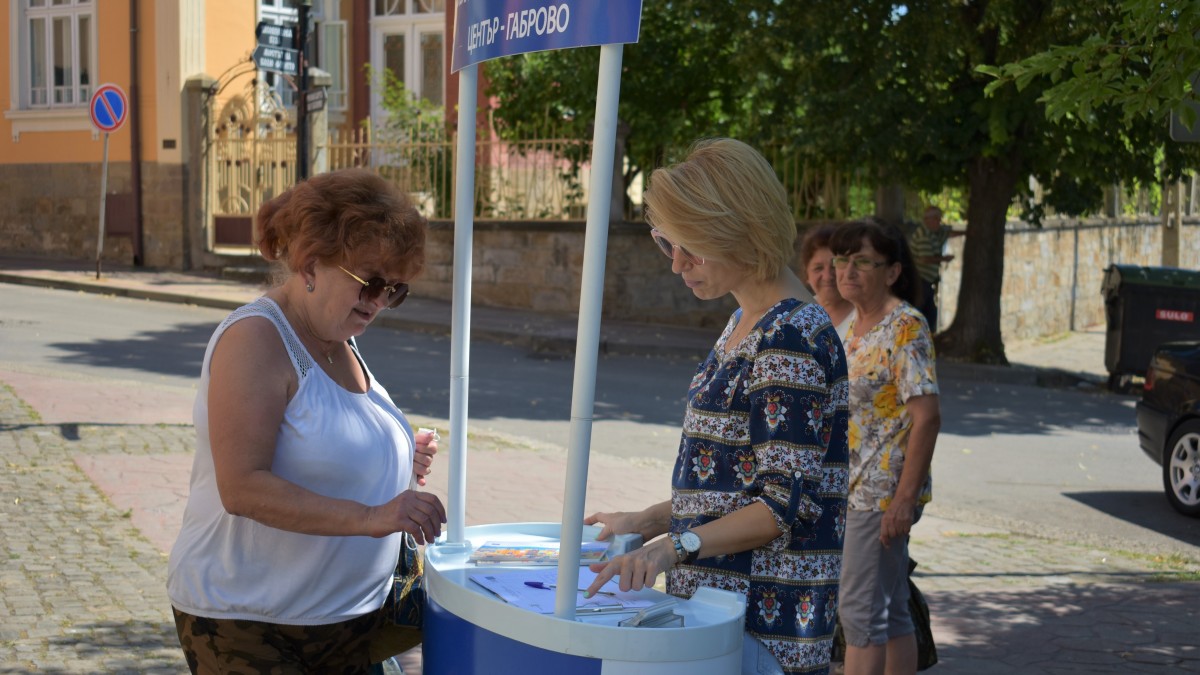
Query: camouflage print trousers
[[240, 647]]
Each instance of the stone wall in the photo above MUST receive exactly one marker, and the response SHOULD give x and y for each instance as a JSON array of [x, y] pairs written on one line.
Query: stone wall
[[54, 210], [1053, 275], [539, 266]]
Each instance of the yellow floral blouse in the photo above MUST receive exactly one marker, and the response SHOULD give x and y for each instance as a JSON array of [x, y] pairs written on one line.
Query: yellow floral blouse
[[893, 362]]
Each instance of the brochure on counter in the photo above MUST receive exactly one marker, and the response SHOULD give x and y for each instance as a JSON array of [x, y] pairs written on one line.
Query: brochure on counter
[[533, 589]]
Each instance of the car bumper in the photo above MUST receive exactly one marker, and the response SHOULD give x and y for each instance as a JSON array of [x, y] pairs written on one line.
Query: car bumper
[[1152, 431]]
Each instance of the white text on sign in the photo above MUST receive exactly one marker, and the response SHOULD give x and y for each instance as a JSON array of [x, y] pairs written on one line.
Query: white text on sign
[[540, 21]]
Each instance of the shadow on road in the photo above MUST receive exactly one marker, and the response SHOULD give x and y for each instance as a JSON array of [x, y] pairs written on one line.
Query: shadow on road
[[124, 647], [1148, 510], [1105, 627], [505, 381], [177, 351]]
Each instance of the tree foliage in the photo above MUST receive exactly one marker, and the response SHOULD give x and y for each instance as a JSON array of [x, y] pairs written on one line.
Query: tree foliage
[[678, 83], [907, 91], [1142, 64]]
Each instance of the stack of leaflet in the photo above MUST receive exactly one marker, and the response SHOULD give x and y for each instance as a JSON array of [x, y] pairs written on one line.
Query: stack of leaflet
[[534, 553]]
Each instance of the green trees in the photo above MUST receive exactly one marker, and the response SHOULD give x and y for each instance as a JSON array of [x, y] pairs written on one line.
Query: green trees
[[907, 91], [678, 83]]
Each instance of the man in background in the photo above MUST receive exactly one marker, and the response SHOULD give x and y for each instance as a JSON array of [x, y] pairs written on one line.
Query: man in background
[[928, 242]]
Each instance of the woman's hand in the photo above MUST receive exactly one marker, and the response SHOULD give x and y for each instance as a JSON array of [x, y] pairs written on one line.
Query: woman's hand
[[621, 522], [420, 514], [637, 569], [649, 522], [426, 448]]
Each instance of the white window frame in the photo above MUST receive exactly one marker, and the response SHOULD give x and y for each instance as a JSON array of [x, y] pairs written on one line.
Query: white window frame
[[336, 63], [412, 26], [25, 116]]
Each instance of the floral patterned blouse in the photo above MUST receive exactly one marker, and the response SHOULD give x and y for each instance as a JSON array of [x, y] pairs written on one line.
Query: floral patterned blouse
[[766, 422], [893, 362]]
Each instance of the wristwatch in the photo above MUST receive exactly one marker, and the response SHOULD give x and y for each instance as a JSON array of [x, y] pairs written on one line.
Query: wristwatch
[[690, 541]]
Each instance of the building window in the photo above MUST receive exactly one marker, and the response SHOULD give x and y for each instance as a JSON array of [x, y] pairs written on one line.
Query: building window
[[333, 60], [59, 60], [408, 38], [403, 7]]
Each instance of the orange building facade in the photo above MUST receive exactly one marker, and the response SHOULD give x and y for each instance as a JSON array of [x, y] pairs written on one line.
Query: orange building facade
[[179, 62]]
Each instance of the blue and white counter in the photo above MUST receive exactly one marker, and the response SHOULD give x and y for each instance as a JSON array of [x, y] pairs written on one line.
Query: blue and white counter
[[469, 630]]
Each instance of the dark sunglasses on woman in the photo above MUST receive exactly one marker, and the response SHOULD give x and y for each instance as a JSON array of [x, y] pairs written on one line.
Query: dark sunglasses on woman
[[373, 287]]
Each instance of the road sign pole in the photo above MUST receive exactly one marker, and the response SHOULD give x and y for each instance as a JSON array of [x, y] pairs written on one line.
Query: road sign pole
[[103, 203], [302, 155], [460, 318], [587, 342]]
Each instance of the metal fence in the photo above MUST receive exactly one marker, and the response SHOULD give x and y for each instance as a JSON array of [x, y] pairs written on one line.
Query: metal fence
[[545, 177], [527, 179]]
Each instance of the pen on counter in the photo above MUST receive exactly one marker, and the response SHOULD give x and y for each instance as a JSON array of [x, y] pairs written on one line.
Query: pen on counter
[[550, 587]]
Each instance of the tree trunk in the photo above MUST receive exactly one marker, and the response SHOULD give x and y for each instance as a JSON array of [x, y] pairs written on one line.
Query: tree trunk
[[975, 333]]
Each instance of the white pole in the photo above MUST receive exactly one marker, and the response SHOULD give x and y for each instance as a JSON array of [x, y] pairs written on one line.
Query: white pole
[[587, 342], [460, 323], [103, 203]]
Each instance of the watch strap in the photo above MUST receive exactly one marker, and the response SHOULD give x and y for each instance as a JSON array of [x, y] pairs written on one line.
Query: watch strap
[[681, 553]]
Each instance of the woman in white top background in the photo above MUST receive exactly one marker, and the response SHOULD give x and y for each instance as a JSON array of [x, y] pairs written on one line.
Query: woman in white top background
[[300, 485]]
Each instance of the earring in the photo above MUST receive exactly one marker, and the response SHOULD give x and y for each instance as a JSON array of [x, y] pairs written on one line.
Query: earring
[[310, 288]]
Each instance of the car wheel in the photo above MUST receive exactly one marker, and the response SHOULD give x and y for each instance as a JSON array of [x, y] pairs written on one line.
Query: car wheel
[[1181, 469]]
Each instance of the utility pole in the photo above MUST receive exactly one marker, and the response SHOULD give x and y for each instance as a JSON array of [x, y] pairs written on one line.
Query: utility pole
[[302, 153]]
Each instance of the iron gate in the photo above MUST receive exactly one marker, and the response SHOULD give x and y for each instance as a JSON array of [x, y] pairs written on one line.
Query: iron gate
[[252, 155]]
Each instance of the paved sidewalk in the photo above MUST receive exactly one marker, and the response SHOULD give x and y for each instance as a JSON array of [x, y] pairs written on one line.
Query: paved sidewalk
[[91, 490]]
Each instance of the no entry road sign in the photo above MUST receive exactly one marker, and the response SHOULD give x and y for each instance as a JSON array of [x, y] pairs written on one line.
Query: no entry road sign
[[109, 107]]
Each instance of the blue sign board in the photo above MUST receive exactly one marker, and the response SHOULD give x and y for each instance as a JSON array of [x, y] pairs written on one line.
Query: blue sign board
[[488, 29], [108, 107]]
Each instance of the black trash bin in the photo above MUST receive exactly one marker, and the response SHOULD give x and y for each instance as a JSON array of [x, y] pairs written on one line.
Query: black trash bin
[[1145, 307]]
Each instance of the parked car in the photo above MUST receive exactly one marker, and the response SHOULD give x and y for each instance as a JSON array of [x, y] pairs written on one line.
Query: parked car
[[1168, 421]]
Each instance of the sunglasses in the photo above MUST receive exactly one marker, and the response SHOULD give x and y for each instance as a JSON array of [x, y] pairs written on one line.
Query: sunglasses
[[375, 286], [668, 248]]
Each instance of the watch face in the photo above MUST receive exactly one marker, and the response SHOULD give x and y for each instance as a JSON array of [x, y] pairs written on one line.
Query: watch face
[[690, 541]]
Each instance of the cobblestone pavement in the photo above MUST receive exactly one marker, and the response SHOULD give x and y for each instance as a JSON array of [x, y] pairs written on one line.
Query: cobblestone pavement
[[81, 589]]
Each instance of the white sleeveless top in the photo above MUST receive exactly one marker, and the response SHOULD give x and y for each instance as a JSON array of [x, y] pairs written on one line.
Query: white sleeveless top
[[332, 441]]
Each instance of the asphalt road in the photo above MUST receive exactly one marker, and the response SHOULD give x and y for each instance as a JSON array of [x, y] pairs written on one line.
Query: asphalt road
[[1059, 463]]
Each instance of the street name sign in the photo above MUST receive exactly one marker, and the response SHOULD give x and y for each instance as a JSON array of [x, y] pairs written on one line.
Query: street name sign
[[314, 100], [277, 59], [489, 29], [276, 35]]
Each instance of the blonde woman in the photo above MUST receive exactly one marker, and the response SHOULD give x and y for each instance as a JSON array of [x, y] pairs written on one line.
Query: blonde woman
[[758, 493]]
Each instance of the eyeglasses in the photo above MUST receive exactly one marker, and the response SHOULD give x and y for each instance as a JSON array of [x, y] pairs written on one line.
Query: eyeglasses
[[371, 289], [668, 248], [860, 264]]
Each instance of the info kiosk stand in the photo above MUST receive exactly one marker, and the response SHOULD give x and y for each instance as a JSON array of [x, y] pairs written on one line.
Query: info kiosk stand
[[469, 628]]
